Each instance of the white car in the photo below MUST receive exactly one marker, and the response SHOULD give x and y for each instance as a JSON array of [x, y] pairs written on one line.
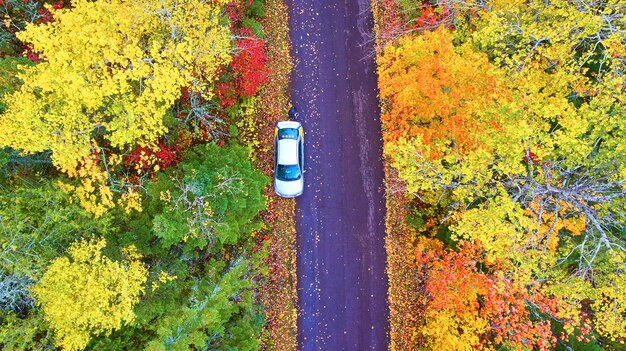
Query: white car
[[289, 159]]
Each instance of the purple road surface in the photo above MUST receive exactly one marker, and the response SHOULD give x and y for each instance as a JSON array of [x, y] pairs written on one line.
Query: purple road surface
[[342, 285]]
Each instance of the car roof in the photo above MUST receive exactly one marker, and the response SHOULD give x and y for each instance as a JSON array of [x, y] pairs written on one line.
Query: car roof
[[287, 124], [288, 152]]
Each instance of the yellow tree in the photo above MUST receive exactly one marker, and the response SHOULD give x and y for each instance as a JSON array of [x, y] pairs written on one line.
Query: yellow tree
[[88, 293], [110, 71], [565, 61]]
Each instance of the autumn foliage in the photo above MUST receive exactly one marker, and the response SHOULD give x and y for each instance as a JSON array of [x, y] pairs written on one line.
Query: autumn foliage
[[278, 292], [437, 92], [121, 228], [160, 157], [102, 293], [249, 65], [506, 160], [113, 98], [470, 303]]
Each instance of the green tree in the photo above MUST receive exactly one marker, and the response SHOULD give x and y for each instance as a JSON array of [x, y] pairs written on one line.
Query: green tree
[[213, 198], [217, 313], [195, 231], [37, 222], [28, 332]]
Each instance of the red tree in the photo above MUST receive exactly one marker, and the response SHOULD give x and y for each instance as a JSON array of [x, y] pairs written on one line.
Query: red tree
[[250, 64]]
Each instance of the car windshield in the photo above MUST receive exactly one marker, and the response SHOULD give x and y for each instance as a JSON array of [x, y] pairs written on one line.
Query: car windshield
[[288, 133], [288, 172]]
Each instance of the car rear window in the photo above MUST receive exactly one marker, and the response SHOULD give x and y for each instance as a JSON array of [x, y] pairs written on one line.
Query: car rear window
[[288, 133], [288, 172]]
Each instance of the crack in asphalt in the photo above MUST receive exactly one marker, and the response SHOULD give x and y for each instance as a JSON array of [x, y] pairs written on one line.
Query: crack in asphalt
[[342, 285]]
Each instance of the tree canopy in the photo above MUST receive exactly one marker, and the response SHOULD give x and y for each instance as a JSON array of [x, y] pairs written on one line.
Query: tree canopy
[[101, 293], [109, 72], [507, 118]]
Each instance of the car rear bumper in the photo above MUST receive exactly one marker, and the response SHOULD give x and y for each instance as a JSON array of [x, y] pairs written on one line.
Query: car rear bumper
[[285, 189]]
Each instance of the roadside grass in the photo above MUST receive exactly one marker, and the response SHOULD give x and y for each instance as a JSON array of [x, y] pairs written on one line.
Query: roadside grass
[[277, 289], [405, 320], [405, 302]]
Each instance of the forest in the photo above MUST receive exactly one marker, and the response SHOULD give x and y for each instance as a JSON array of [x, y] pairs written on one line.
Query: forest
[[136, 206], [504, 134], [133, 197]]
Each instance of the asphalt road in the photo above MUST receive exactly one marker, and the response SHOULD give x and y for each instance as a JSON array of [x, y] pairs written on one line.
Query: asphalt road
[[342, 285]]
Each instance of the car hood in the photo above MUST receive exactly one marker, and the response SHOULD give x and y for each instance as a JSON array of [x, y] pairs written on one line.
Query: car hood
[[290, 188]]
